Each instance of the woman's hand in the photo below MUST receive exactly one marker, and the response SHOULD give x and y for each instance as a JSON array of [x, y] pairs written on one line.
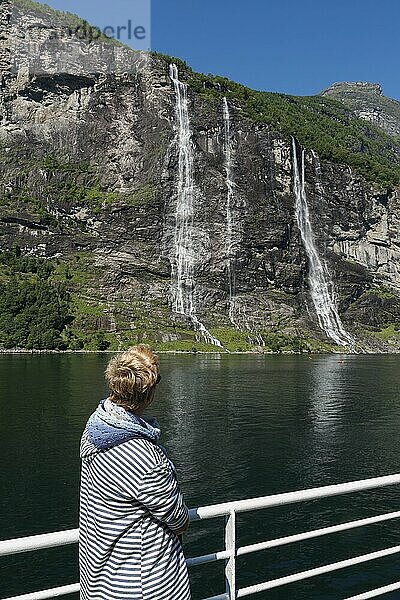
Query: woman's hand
[[182, 529]]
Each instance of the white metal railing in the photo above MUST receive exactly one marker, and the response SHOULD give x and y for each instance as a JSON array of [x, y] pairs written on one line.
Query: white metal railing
[[230, 510]]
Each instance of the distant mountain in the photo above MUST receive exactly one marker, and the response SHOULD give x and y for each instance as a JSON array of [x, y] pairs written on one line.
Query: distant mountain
[[368, 102]]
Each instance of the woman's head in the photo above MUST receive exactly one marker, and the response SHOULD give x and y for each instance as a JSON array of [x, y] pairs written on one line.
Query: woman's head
[[132, 377]]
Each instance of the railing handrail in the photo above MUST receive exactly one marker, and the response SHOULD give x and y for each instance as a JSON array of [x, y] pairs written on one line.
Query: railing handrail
[[70, 536], [229, 510], [39, 542], [220, 510]]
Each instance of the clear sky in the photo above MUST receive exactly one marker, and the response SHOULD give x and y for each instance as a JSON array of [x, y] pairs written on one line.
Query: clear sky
[[292, 46]]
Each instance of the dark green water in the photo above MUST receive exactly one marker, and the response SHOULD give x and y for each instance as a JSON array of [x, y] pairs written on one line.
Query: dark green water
[[236, 427]]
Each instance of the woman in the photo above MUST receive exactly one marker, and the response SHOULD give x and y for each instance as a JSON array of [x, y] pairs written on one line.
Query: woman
[[131, 508]]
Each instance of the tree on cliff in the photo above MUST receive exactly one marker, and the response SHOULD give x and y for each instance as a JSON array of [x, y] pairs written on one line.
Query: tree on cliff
[[33, 309]]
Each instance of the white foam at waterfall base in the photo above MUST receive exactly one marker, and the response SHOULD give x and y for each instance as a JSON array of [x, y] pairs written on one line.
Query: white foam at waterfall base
[[183, 254], [318, 276]]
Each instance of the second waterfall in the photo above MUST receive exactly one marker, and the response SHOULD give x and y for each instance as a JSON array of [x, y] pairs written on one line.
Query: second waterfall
[[327, 313], [183, 252]]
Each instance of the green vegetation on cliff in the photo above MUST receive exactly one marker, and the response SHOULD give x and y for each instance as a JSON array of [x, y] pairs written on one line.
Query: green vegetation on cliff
[[34, 310], [40, 308]]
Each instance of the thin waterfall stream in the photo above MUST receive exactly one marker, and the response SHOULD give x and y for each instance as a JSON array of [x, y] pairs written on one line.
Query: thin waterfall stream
[[233, 227], [318, 276], [183, 255], [230, 186]]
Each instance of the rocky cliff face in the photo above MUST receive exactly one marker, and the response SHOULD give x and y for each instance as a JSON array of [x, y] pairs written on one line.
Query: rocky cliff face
[[89, 169]]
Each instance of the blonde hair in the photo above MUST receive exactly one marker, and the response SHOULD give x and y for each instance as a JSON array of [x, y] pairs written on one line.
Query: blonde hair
[[132, 376]]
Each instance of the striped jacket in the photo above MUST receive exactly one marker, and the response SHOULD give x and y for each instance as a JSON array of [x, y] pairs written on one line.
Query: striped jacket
[[130, 508]]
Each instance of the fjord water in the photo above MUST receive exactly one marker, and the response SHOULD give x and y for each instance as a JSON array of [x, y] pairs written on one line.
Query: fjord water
[[237, 426]]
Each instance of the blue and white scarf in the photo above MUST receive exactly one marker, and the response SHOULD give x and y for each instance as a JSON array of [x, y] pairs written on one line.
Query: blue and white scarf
[[111, 425]]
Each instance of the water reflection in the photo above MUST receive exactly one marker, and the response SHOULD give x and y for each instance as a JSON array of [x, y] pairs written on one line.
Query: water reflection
[[328, 394], [195, 424]]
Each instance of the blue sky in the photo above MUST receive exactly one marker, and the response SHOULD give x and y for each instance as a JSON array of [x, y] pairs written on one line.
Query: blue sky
[[292, 46]]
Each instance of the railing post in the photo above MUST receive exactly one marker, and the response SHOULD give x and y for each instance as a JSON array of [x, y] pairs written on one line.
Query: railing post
[[230, 546]]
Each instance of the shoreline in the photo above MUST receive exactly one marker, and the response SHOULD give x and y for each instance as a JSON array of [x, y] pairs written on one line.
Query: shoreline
[[202, 352], [226, 352]]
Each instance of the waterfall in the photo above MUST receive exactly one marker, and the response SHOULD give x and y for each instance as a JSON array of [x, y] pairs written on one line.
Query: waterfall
[[319, 278], [183, 256], [230, 187], [233, 230], [318, 174], [114, 324]]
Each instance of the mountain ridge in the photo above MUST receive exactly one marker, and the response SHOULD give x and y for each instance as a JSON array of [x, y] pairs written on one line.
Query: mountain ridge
[[369, 102]]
